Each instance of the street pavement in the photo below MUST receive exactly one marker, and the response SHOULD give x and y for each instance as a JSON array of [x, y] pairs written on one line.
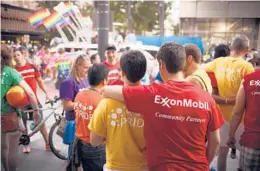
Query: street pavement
[[41, 160]]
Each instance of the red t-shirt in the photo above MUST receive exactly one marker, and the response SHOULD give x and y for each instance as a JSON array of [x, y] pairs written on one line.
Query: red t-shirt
[[86, 102], [177, 117], [113, 72], [30, 74], [251, 135], [116, 82], [213, 79]]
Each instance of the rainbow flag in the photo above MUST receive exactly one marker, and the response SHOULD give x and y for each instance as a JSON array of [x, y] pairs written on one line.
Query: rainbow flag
[[63, 23], [52, 20], [36, 18]]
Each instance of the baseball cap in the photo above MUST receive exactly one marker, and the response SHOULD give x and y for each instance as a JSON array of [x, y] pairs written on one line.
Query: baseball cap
[[111, 47]]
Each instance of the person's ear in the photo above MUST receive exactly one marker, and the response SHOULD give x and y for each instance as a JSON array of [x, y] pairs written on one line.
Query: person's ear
[[123, 74], [189, 58], [104, 83]]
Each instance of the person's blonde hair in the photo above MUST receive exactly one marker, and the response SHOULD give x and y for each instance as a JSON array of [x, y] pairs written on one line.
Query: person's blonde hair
[[78, 61]]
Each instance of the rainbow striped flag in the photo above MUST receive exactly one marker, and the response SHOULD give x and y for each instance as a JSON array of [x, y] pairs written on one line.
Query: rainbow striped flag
[[52, 20], [63, 23], [36, 18]]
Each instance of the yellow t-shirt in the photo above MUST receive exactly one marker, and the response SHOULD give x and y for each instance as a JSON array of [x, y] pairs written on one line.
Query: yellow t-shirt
[[229, 73], [202, 77], [123, 130]]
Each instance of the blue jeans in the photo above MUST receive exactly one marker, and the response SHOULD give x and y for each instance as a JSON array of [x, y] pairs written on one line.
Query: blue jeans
[[92, 158]]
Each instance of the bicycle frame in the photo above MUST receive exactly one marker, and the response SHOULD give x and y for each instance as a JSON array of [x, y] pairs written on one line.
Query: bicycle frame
[[25, 139]]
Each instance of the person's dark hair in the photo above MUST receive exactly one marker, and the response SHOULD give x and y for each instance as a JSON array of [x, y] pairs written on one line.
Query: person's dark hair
[[133, 64], [240, 43], [97, 73], [221, 50], [21, 49], [173, 55], [6, 56], [93, 58], [194, 51]]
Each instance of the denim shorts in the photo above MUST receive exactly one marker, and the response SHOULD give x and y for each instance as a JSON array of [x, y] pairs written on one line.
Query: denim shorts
[[92, 158]]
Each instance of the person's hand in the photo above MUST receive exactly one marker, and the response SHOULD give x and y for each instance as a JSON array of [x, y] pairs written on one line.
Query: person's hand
[[231, 100], [36, 117], [231, 141]]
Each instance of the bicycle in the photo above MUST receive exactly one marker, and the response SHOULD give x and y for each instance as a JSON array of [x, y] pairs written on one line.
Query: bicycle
[[25, 139]]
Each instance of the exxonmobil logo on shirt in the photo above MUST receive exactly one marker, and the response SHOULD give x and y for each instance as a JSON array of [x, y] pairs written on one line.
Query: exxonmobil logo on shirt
[[167, 102], [254, 83]]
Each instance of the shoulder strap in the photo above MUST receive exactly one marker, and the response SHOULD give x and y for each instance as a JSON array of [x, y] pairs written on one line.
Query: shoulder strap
[[202, 82]]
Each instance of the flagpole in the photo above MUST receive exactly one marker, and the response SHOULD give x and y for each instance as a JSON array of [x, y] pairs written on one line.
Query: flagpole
[[76, 30], [74, 37], [64, 37]]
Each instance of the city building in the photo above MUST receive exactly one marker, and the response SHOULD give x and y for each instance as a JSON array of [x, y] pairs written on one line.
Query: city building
[[14, 24], [219, 21]]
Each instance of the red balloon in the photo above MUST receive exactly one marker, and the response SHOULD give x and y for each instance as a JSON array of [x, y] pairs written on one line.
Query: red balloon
[[16, 97]]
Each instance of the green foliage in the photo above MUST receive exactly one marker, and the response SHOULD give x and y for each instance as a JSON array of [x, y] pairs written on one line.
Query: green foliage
[[143, 14]]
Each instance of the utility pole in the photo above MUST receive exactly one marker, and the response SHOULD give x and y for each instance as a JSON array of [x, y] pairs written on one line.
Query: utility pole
[[103, 26], [161, 15], [129, 15]]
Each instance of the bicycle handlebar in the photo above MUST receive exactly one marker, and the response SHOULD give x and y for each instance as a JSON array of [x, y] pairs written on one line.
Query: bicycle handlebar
[[52, 102]]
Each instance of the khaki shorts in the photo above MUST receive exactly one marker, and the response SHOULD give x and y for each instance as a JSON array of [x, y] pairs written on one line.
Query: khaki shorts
[[224, 135]]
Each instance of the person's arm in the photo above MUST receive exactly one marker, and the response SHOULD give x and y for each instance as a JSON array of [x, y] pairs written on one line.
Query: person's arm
[[96, 140], [114, 92], [68, 105], [215, 122], [221, 100], [132, 96], [43, 88], [98, 123], [67, 95], [237, 114], [213, 145], [32, 98]]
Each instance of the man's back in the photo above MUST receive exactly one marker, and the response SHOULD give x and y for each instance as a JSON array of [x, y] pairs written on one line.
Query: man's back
[[251, 136], [85, 103], [229, 73], [202, 77], [125, 143], [177, 116]]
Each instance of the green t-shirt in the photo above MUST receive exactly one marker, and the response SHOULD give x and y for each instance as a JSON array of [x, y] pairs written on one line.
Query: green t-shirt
[[9, 77]]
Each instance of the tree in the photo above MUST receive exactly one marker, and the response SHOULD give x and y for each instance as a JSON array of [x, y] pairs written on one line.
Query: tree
[[144, 14]]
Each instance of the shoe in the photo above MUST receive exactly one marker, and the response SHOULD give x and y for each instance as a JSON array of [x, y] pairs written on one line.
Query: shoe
[[233, 153], [26, 149]]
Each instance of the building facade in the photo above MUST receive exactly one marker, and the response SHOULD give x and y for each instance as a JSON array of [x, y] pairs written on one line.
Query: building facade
[[219, 21], [14, 24]]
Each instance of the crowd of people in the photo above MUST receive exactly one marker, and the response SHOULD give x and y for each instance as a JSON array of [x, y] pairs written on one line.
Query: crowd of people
[[188, 114]]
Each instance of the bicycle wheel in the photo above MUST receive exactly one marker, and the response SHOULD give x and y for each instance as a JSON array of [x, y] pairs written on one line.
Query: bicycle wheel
[[56, 141]]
